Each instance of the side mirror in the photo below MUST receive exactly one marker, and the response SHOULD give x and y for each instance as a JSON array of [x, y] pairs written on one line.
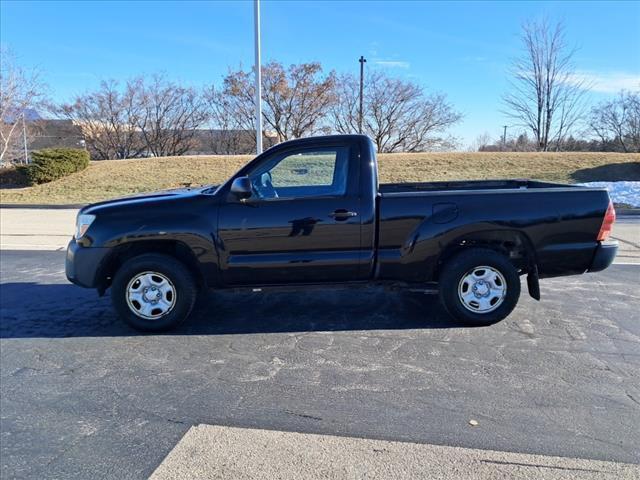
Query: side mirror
[[241, 188]]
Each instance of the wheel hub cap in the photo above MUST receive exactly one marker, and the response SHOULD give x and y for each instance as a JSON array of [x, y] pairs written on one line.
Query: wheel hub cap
[[151, 295], [482, 289]]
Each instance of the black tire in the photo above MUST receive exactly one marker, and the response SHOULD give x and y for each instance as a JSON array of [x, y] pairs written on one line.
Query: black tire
[[181, 279], [458, 267]]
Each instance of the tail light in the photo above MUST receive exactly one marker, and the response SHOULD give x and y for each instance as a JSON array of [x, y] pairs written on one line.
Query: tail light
[[607, 223]]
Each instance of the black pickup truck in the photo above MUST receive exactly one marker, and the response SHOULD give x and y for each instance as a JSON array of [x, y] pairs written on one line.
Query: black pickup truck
[[311, 212]]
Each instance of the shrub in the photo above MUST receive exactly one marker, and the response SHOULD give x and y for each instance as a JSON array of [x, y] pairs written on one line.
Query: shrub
[[13, 176], [53, 163]]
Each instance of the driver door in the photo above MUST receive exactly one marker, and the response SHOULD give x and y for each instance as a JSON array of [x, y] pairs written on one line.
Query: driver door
[[301, 224]]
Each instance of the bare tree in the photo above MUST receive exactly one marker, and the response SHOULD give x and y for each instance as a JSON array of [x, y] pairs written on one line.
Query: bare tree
[[345, 111], [546, 94], [398, 114], [108, 119], [481, 142], [170, 116], [296, 99], [618, 121], [238, 93], [232, 129], [20, 92]]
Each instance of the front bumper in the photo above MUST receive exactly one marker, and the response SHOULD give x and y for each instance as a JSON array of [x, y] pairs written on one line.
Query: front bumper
[[83, 264], [605, 253]]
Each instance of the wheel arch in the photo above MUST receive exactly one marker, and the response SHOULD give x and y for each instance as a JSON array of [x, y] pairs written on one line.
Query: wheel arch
[[126, 251], [514, 244]]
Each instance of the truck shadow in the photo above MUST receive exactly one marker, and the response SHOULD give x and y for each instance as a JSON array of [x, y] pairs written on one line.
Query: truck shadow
[[30, 310], [613, 172]]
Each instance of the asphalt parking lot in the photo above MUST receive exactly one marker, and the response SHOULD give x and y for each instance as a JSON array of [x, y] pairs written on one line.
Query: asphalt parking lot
[[83, 396]]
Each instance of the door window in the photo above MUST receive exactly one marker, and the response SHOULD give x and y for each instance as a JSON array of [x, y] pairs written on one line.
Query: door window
[[316, 172]]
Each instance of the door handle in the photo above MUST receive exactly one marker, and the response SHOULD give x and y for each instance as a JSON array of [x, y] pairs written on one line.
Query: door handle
[[342, 214]]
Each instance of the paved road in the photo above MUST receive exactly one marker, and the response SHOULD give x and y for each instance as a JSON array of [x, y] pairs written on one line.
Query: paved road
[[83, 396]]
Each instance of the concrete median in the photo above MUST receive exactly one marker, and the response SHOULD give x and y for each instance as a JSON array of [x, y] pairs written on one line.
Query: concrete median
[[36, 229], [214, 452]]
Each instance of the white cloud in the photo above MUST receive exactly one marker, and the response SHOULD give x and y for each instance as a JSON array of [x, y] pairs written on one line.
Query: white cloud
[[607, 82], [392, 63]]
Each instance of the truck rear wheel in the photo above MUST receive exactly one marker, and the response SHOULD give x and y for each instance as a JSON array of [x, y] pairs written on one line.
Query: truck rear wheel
[[153, 292], [479, 286]]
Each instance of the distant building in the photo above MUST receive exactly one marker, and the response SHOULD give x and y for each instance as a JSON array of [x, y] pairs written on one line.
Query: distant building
[[54, 134], [227, 142], [40, 133]]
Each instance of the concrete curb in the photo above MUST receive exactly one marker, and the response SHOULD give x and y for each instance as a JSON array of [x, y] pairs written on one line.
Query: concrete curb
[[627, 212], [216, 452]]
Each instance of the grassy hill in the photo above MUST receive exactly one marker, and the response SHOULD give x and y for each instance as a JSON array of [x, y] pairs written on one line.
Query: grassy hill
[[113, 178]]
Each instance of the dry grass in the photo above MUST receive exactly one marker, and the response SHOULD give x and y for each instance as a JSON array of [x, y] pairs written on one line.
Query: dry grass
[[108, 179]]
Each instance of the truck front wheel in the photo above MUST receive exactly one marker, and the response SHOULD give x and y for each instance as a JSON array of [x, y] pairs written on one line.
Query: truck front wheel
[[479, 286], [153, 292]]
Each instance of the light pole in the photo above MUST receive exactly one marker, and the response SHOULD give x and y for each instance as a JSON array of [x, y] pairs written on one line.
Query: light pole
[[504, 137], [258, 76], [362, 62], [24, 139]]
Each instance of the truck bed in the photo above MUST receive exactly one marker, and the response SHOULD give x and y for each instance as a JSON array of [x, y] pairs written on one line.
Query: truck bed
[[559, 222], [461, 185]]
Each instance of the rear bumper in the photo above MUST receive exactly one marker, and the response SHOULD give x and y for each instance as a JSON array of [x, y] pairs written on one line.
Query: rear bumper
[[605, 253], [83, 264]]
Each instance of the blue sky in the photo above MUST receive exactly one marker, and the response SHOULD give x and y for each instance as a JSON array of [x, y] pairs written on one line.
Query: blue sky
[[460, 48]]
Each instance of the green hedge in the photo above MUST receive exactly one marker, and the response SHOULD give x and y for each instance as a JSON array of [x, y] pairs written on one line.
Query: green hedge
[[53, 163]]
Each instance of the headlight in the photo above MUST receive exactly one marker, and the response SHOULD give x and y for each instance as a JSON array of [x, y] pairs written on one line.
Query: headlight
[[82, 224]]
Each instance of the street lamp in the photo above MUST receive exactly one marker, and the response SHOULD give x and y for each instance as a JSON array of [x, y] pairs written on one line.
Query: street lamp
[[504, 137], [362, 62], [258, 76]]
